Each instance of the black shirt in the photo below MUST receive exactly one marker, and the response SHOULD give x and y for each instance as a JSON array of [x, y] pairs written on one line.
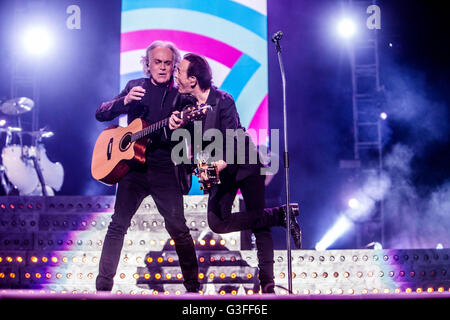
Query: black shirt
[[155, 101]]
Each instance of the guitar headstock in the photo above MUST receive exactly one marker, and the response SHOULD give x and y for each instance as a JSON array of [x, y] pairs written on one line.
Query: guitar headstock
[[191, 113]]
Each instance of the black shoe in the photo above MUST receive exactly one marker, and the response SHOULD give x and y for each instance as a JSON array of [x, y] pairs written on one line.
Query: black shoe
[[294, 229], [296, 233], [268, 287], [192, 286]]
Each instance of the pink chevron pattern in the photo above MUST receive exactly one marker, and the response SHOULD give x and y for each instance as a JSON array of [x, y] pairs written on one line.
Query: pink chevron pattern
[[185, 41], [259, 121]]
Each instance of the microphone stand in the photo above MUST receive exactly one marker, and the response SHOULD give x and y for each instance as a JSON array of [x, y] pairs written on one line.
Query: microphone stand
[[276, 39]]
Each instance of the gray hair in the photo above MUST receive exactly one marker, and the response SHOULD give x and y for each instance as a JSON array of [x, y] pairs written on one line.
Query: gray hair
[[156, 44]]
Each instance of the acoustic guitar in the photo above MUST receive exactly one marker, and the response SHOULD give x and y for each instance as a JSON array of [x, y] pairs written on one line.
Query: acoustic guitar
[[118, 149]]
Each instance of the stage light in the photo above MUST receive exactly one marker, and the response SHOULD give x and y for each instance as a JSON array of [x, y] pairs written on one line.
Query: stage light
[[346, 28], [353, 203], [50, 134], [37, 40], [2, 122], [439, 246], [383, 115], [339, 228]]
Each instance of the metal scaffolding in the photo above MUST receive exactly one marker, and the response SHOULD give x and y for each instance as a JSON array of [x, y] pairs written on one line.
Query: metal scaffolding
[[367, 96]]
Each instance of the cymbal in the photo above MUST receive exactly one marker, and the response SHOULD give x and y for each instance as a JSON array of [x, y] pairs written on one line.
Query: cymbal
[[17, 106], [37, 134]]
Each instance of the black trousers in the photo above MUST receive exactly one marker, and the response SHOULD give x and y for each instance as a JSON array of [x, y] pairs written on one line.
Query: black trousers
[[162, 185], [256, 218]]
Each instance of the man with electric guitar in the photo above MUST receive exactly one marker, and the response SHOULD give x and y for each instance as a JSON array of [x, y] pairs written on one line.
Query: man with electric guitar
[[138, 158], [193, 77]]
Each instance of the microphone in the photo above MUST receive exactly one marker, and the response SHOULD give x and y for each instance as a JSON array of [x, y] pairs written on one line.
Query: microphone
[[277, 36]]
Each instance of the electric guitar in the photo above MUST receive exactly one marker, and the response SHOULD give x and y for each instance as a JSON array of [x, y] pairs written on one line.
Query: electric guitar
[[118, 149], [208, 169]]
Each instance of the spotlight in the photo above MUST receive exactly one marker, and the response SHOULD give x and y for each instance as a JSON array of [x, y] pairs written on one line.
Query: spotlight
[[383, 115], [339, 228], [37, 41], [346, 28], [353, 203], [375, 245], [2, 122]]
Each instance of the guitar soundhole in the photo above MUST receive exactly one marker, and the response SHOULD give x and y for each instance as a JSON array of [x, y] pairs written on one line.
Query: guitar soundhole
[[125, 143]]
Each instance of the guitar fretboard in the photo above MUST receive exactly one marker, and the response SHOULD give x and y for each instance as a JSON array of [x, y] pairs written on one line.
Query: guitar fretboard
[[189, 115], [150, 129]]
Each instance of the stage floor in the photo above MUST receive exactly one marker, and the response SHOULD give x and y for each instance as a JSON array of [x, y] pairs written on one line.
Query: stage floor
[[227, 306], [37, 294]]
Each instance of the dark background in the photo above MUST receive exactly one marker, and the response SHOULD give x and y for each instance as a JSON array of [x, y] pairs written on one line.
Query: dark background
[[83, 70]]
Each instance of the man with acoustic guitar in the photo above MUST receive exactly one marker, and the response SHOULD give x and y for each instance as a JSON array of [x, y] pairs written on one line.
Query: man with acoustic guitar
[[194, 77], [150, 99]]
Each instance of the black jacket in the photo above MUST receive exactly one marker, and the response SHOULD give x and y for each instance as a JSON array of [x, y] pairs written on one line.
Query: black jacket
[[115, 107], [224, 116]]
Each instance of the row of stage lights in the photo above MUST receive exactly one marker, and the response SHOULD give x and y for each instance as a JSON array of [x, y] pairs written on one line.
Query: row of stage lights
[[330, 291], [54, 260], [320, 259], [212, 243], [136, 276], [97, 206], [212, 275], [84, 223]]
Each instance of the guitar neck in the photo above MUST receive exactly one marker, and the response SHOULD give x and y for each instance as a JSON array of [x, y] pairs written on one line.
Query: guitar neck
[[150, 129], [188, 115]]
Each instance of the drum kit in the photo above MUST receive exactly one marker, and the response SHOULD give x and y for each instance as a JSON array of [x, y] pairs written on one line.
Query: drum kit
[[26, 169]]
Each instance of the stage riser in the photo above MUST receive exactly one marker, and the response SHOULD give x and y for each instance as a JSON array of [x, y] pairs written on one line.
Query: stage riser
[[76, 271], [55, 244]]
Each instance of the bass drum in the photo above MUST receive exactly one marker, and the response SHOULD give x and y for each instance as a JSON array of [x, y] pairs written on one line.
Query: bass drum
[[19, 169], [52, 172]]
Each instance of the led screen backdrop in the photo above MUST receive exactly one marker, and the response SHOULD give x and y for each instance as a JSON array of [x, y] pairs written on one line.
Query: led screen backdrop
[[232, 35]]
